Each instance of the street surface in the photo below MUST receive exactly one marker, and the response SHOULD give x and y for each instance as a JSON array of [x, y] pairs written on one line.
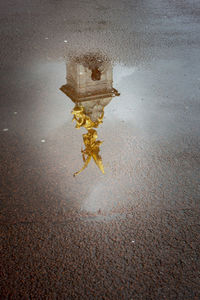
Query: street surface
[[133, 232]]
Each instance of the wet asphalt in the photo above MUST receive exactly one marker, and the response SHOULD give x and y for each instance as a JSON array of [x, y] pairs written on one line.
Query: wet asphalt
[[132, 233]]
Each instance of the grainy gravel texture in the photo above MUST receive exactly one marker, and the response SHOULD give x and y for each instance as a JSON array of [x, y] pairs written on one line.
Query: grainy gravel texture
[[132, 233]]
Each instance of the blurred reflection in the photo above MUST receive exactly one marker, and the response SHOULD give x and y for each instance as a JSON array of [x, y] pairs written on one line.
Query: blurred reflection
[[89, 86]]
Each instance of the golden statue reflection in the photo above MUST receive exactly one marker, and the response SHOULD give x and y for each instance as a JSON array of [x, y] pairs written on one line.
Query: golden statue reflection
[[89, 86], [82, 120]]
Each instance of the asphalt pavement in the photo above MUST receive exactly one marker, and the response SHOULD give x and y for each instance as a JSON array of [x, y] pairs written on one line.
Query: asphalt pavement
[[133, 232]]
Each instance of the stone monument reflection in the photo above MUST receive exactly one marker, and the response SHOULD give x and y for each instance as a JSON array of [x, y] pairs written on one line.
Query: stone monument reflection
[[89, 86]]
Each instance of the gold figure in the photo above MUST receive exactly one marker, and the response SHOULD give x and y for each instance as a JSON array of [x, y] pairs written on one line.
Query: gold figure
[[91, 150], [89, 139], [82, 120]]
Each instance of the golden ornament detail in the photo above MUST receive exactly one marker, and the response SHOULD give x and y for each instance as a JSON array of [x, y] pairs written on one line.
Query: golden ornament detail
[[92, 146]]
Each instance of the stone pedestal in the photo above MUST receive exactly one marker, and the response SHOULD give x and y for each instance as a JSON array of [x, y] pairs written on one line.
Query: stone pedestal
[[89, 83]]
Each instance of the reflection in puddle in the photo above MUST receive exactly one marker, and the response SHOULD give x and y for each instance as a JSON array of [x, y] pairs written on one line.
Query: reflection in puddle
[[89, 86]]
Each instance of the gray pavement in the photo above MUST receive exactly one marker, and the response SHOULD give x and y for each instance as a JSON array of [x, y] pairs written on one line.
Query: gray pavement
[[132, 233]]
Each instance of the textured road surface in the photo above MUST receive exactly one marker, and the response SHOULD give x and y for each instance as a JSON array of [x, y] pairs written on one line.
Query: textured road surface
[[132, 233]]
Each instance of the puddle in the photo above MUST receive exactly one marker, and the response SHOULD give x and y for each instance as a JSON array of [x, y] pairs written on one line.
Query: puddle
[[103, 218], [137, 114]]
